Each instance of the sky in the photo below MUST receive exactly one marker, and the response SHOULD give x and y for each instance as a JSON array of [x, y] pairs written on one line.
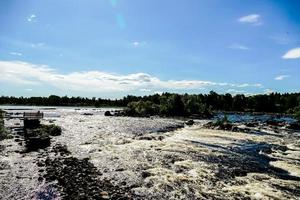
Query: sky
[[112, 48]]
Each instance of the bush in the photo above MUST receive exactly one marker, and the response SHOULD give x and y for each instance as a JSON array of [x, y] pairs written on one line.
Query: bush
[[52, 129], [45, 131], [40, 137]]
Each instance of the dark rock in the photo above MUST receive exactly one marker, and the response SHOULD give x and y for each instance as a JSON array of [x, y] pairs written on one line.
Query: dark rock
[[146, 137], [251, 124], [107, 113], [78, 179], [294, 126], [272, 122], [160, 137], [189, 122], [61, 149], [87, 114], [145, 174]]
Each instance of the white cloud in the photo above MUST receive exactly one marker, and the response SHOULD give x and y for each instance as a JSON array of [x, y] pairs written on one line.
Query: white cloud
[[249, 85], [281, 77], [253, 19], [292, 54], [15, 53], [96, 81], [31, 18], [234, 91], [28, 89], [138, 44], [239, 46], [268, 91]]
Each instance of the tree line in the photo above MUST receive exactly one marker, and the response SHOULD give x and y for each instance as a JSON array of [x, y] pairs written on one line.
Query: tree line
[[175, 104]]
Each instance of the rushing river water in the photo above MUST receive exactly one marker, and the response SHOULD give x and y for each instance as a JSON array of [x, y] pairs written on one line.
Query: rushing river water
[[137, 157], [254, 117]]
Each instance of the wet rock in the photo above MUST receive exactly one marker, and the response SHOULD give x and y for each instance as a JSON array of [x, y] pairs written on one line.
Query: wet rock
[[61, 149], [88, 114], [146, 137], [294, 126], [252, 124], [145, 174], [273, 122], [219, 126], [189, 122], [18, 140], [78, 179], [160, 137], [107, 113]]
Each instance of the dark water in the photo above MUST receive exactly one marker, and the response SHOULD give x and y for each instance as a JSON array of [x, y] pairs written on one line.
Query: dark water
[[254, 118]]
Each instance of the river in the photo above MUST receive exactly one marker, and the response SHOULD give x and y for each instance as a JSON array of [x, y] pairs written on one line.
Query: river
[[151, 158]]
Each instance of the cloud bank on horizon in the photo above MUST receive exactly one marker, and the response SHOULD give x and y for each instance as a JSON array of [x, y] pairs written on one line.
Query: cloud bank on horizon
[[114, 48], [22, 73]]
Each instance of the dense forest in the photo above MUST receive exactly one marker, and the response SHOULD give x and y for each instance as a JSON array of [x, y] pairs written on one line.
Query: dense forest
[[170, 104]]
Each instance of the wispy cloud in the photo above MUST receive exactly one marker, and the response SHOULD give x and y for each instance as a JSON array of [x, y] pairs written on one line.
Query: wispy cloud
[[238, 47], [37, 45], [29, 89], [234, 91], [96, 81], [31, 18], [281, 77], [15, 53], [253, 19], [249, 85], [292, 54]]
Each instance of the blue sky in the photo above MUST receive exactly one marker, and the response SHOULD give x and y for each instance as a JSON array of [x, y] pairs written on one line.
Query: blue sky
[[111, 48]]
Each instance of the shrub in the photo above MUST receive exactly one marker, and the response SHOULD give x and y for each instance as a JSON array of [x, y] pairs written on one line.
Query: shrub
[[45, 131], [51, 129]]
